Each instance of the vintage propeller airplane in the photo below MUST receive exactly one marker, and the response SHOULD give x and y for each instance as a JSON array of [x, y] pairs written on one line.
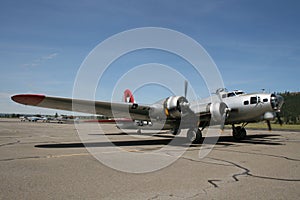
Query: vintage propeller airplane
[[175, 112]]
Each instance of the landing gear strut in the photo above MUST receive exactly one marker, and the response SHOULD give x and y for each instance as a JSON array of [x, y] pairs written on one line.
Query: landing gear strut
[[239, 132], [139, 131], [194, 135], [175, 131]]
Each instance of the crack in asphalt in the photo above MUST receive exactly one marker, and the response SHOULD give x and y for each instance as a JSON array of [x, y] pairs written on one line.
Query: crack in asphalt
[[10, 143], [212, 182], [247, 172], [19, 142], [206, 162], [21, 158], [158, 196], [262, 154], [43, 157]]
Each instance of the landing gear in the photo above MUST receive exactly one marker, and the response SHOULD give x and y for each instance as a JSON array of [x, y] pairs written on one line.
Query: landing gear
[[139, 131], [194, 135], [239, 132], [175, 131]]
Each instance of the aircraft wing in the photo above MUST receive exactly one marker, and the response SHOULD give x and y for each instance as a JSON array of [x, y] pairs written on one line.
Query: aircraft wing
[[125, 110]]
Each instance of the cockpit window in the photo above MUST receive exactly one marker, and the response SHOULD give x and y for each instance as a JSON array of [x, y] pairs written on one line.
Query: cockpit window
[[231, 94], [239, 93]]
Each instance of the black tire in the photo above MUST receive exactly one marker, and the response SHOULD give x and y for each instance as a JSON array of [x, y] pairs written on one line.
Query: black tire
[[175, 131], [239, 133], [194, 135]]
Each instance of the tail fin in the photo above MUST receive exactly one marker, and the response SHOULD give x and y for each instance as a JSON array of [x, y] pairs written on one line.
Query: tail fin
[[128, 97]]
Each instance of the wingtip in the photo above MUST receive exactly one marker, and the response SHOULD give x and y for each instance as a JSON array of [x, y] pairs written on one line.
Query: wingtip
[[28, 99]]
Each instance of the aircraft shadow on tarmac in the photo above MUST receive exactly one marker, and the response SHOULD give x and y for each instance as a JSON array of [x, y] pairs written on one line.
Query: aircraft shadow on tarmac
[[263, 139]]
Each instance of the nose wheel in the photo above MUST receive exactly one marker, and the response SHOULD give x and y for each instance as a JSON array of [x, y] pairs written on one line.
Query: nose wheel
[[239, 132], [194, 135]]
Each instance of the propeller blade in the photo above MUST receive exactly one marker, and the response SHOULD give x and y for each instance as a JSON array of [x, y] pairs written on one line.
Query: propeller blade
[[185, 88], [279, 119], [269, 125]]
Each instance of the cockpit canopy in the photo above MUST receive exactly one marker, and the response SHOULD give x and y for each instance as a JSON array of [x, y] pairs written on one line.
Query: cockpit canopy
[[224, 93]]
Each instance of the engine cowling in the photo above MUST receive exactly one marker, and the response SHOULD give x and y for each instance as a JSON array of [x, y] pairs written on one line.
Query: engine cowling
[[174, 105], [218, 111]]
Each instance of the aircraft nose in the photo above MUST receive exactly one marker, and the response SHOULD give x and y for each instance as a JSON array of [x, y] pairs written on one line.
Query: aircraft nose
[[276, 102]]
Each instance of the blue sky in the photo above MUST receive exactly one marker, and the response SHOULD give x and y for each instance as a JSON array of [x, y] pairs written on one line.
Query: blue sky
[[255, 44]]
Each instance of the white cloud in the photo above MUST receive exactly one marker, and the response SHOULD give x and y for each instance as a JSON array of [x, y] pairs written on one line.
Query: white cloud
[[50, 56], [40, 60]]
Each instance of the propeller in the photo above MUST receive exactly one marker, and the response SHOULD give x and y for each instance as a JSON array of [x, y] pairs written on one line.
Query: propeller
[[184, 104], [279, 119], [269, 125], [224, 108], [270, 116], [185, 88]]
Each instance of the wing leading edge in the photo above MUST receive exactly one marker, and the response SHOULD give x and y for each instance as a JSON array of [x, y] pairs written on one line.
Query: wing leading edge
[[126, 110]]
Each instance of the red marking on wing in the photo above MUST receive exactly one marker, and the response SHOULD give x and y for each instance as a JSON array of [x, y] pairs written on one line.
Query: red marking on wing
[[28, 99]]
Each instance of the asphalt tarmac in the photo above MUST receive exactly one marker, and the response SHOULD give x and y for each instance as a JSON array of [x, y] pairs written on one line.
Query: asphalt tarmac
[[49, 161]]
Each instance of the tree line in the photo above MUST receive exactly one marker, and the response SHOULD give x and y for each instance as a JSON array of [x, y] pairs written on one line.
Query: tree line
[[290, 111]]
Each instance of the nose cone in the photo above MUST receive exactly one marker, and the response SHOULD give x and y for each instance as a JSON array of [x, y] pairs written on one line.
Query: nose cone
[[276, 102]]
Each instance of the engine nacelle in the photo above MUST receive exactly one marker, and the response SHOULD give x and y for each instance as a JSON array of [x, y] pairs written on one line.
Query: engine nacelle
[[269, 116], [174, 105], [218, 111]]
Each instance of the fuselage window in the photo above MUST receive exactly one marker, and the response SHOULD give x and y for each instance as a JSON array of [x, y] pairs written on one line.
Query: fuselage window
[[265, 100], [253, 100], [224, 96], [246, 102], [231, 94]]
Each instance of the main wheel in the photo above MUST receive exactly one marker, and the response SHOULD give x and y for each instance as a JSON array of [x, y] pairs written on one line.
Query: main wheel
[[239, 133], [194, 135], [175, 131]]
